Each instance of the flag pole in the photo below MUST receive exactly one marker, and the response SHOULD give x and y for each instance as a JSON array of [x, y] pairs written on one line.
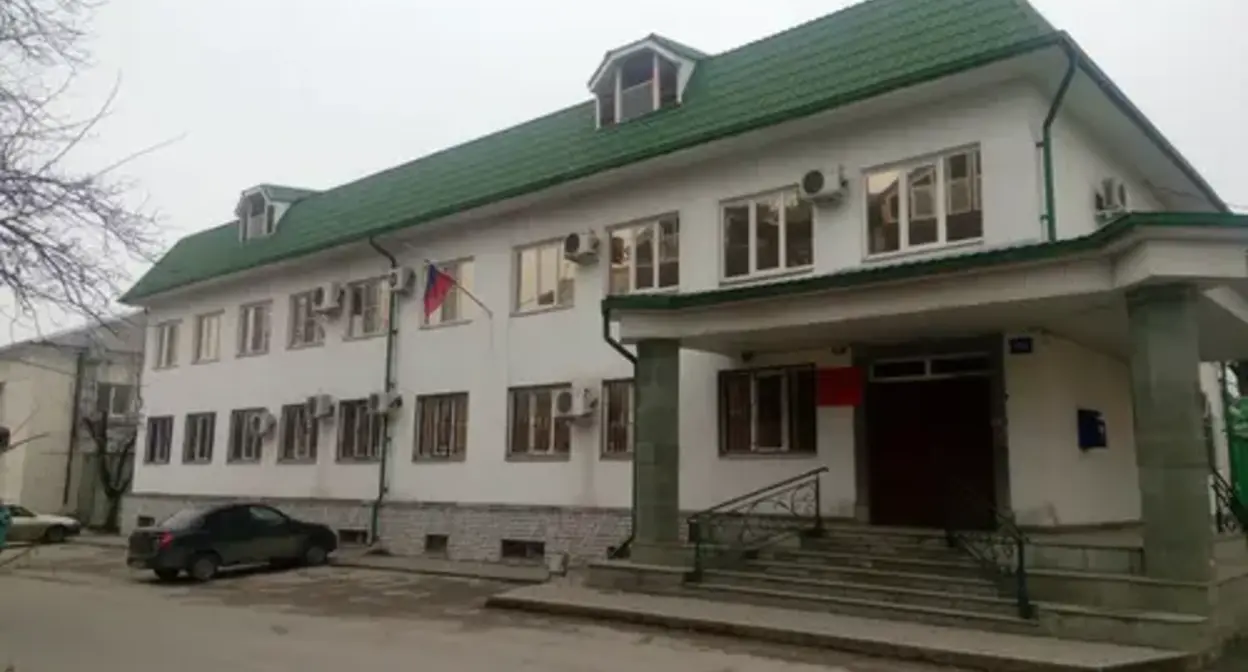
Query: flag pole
[[455, 281]]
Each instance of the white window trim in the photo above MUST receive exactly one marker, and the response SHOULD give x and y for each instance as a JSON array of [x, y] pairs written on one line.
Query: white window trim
[[296, 323], [518, 309], [197, 351], [656, 223], [250, 449], [903, 169], [380, 308], [461, 299], [111, 388], [425, 453], [785, 440], [781, 270], [631, 419], [194, 452], [158, 444], [300, 451], [166, 351], [362, 415], [245, 325], [549, 452]]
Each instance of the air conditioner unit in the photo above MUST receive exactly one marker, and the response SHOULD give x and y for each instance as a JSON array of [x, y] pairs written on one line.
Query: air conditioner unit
[[581, 248], [319, 406], [327, 299], [818, 186], [383, 402], [580, 402], [401, 280], [1111, 198], [260, 424]]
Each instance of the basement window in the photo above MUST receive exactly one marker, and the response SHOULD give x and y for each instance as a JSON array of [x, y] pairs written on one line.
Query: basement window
[[353, 536], [521, 549], [437, 544]]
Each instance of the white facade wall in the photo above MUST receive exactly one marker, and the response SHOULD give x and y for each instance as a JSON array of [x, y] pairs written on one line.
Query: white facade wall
[[487, 356]]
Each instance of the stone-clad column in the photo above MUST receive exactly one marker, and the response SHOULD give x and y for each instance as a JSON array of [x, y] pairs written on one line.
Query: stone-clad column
[[656, 492], [1169, 433]]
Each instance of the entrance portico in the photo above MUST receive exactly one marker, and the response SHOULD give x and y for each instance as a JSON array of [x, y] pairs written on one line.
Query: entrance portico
[[1153, 295]]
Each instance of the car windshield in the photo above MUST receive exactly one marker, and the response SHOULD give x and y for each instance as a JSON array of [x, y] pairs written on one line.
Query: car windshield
[[183, 518], [20, 512]]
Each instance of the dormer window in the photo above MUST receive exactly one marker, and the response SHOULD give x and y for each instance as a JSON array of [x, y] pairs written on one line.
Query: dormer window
[[641, 78], [260, 209], [256, 216]]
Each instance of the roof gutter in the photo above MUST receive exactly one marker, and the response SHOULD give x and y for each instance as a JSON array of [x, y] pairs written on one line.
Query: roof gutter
[[1049, 218], [388, 385]]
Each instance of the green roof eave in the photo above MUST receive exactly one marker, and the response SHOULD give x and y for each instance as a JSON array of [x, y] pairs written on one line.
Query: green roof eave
[[868, 275]]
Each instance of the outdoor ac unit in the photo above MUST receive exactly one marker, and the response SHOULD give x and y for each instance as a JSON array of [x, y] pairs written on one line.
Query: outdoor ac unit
[[579, 402], [327, 299], [319, 406], [818, 186], [260, 424], [382, 402], [401, 280], [1111, 198], [581, 248]]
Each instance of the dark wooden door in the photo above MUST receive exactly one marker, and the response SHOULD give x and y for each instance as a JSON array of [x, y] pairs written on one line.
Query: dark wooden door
[[929, 452]]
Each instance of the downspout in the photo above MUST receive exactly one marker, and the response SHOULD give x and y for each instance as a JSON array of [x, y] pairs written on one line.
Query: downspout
[[1232, 461], [75, 417], [388, 386], [622, 549], [1049, 218]]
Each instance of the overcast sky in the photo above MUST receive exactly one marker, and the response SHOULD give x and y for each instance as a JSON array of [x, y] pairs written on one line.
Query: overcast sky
[[314, 93]]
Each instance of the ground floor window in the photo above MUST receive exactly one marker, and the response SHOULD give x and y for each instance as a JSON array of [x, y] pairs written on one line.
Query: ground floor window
[[360, 432], [198, 438], [299, 434], [768, 410], [442, 426], [536, 428], [618, 414]]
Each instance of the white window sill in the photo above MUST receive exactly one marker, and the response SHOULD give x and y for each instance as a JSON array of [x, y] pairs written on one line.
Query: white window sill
[[765, 275], [922, 250], [257, 353], [449, 324], [364, 336], [543, 310]]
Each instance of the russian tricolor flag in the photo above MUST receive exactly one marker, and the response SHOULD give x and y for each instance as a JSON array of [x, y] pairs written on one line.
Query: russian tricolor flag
[[437, 286]]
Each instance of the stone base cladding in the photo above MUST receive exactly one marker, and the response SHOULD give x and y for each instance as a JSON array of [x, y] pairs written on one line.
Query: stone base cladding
[[473, 531]]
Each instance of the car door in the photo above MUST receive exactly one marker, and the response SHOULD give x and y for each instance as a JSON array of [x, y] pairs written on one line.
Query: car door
[[230, 534], [24, 525], [275, 533]]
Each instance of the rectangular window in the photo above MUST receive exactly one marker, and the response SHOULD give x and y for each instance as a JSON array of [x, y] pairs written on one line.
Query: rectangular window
[[544, 279], [767, 410], [254, 322], [645, 256], [619, 414], [360, 432], [300, 432], [247, 432], [114, 400], [536, 429], [366, 317], [452, 309], [305, 326], [201, 429], [767, 234], [207, 337], [442, 426], [925, 204], [166, 351], [159, 439]]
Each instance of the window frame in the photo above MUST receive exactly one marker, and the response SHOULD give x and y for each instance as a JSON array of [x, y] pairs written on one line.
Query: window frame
[[939, 159], [199, 453], [531, 427], [158, 452], [376, 431], [379, 286], [655, 222], [292, 416], [198, 342], [112, 388], [631, 423], [165, 354], [782, 268], [460, 416], [245, 324], [517, 307], [296, 321], [237, 449], [789, 416], [454, 268]]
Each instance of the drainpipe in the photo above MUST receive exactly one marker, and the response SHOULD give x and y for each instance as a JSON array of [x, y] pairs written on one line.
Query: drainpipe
[[1049, 218], [389, 385], [75, 417], [1232, 461], [632, 359]]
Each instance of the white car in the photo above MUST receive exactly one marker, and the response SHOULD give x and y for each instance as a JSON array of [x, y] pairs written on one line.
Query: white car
[[26, 525]]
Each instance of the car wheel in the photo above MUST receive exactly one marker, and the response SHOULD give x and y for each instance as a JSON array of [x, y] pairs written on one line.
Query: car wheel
[[54, 535], [314, 555], [204, 567], [166, 574]]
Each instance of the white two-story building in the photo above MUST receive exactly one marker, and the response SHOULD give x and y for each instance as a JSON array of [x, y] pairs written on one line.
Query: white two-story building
[[927, 245]]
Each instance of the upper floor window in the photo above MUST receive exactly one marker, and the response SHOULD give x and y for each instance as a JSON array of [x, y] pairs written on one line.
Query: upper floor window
[[645, 256], [207, 337], [544, 278], [452, 309], [305, 327], [166, 352], [365, 318], [637, 81], [926, 203], [114, 400], [255, 216], [766, 234], [253, 328]]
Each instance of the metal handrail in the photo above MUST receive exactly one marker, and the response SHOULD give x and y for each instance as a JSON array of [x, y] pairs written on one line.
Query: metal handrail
[[738, 527], [1231, 515], [1001, 551]]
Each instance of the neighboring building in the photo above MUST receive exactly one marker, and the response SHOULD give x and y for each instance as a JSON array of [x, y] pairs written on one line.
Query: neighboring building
[[49, 466], [947, 199]]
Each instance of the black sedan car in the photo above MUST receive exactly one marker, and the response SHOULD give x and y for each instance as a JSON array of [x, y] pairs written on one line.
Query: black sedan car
[[200, 541]]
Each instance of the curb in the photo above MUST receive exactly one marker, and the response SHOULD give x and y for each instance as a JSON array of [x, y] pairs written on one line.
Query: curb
[[876, 648], [106, 542]]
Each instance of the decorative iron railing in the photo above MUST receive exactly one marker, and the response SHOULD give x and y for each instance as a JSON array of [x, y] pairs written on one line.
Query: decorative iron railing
[[1001, 551], [1230, 515], [736, 529]]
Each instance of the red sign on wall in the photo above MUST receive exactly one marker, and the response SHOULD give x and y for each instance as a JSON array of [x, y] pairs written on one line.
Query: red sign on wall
[[841, 386]]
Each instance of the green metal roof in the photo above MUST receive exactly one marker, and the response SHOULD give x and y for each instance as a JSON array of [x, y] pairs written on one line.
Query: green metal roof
[[860, 52]]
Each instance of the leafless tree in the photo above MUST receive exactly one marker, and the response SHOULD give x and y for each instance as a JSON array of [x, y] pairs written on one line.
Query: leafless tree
[[114, 457], [66, 234]]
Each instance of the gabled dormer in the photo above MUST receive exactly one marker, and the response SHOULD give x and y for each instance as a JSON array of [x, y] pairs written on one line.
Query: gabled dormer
[[261, 207], [642, 77]]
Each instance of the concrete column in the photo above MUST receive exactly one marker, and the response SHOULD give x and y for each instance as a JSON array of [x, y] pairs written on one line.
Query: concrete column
[[656, 492], [1169, 441]]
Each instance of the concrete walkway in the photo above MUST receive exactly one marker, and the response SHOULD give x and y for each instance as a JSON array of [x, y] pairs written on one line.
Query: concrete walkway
[[890, 639]]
